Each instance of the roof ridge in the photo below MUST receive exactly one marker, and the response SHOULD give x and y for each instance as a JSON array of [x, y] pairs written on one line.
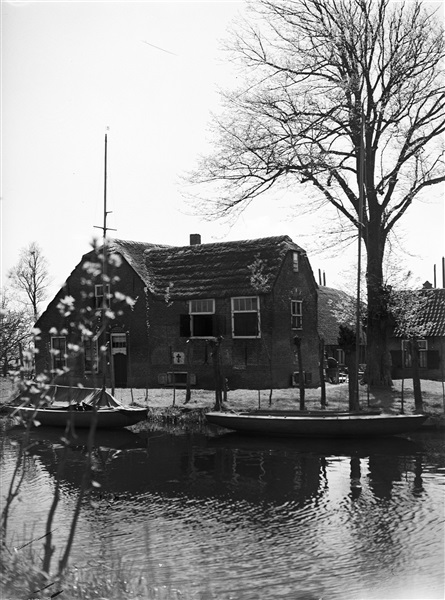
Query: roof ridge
[[234, 243], [126, 242]]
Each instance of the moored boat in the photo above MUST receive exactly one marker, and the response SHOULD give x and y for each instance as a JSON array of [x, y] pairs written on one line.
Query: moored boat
[[316, 424], [56, 405]]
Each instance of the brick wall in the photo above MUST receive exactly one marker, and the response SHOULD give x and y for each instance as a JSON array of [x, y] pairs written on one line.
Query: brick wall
[[246, 363], [156, 342]]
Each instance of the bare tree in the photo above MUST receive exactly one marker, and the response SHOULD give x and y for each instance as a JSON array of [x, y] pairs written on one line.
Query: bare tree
[[15, 333], [31, 276], [338, 95]]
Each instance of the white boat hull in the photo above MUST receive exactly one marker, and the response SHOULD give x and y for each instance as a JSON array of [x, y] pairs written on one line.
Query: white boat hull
[[317, 425]]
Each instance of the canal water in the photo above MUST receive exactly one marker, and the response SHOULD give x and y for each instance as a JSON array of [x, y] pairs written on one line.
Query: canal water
[[222, 516]]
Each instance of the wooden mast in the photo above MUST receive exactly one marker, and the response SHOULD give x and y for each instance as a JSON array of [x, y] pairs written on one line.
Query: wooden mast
[[104, 269]]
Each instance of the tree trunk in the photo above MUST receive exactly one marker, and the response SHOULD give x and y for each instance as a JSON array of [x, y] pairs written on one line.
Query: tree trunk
[[378, 360], [414, 347], [351, 363], [347, 341]]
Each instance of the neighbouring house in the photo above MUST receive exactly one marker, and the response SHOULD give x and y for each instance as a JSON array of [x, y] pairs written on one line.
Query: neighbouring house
[[334, 307], [429, 322], [257, 295]]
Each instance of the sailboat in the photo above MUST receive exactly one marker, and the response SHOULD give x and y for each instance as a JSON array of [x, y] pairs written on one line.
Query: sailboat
[[324, 423], [57, 405]]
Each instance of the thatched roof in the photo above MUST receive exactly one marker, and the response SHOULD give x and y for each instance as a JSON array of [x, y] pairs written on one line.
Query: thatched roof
[[330, 305], [216, 270], [134, 254]]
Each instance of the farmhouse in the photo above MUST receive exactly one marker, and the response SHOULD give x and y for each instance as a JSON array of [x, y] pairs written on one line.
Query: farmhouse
[[255, 296]]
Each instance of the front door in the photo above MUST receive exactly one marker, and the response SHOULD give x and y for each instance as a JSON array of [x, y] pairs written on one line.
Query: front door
[[119, 356], [120, 370]]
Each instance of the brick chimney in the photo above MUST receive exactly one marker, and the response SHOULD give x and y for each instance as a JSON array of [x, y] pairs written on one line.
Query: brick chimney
[[195, 239]]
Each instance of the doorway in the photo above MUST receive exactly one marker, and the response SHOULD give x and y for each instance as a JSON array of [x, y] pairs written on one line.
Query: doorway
[[119, 356]]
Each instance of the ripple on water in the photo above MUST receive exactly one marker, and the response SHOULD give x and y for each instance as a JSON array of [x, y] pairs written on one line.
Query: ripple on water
[[282, 524]]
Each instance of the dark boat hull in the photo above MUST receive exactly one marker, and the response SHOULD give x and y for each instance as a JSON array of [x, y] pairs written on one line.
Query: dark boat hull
[[107, 418], [316, 425]]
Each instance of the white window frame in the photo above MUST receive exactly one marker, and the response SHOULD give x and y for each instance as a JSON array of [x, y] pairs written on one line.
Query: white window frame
[[295, 262], [58, 357], [423, 348], [423, 345], [340, 356], [200, 306], [296, 309], [118, 343], [99, 294], [423, 356], [239, 310]]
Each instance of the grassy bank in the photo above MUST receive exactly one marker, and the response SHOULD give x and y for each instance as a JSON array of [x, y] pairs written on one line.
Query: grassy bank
[[21, 579], [168, 405]]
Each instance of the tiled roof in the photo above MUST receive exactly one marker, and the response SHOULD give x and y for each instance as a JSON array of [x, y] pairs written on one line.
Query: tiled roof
[[430, 322], [216, 270], [434, 315]]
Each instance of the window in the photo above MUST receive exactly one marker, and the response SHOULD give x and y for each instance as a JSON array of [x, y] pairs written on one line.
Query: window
[[246, 317], [91, 355], [99, 294], [423, 353], [118, 343], [295, 262], [297, 314], [202, 318], [58, 352], [340, 353]]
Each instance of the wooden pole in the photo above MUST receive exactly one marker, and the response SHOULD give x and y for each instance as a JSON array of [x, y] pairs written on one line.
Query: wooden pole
[[104, 270], [321, 372], [297, 342]]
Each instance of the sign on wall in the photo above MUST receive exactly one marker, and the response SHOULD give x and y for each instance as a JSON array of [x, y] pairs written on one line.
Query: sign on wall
[[178, 358]]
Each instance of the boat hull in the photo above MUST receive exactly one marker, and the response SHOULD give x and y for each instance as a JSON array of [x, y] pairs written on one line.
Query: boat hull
[[107, 418], [307, 425]]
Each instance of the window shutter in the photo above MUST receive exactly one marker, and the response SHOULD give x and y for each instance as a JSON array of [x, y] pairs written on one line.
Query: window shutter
[[184, 326], [433, 359]]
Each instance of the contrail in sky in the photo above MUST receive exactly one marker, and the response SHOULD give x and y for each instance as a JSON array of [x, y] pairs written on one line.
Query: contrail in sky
[[158, 48]]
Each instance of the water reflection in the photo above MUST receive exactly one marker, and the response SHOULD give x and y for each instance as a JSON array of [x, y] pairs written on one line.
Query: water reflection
[[230, 465], [238, 517]]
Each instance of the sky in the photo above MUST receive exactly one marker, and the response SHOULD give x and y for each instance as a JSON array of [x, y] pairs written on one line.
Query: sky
[[148, 74]]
